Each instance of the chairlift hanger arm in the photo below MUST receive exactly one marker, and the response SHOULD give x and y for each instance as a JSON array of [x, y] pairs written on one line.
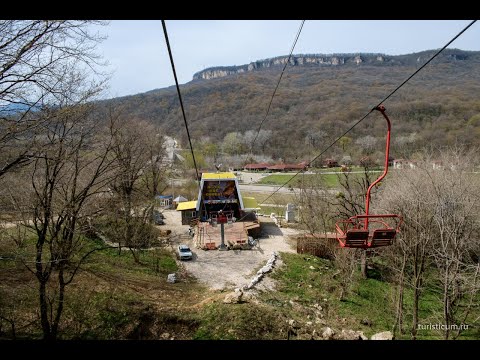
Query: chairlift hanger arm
[[380, 108]]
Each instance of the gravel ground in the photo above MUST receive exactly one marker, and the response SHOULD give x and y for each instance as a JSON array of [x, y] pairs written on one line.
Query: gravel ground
[[235, 268]]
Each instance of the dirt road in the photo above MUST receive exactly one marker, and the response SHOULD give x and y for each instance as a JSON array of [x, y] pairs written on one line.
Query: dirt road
[[235, 268]]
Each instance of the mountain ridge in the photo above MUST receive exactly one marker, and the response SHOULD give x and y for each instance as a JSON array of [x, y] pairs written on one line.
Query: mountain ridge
[[316, 104], [336, 59]]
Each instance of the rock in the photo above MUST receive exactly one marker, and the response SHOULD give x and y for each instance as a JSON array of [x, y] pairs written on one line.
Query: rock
[[318, 307], [233, 297], [362, 335], [386, 335], [247, 297], [292, 322], [350, 335], [172, 278], [260, 273], [327, 333], [312, 267], [165, 336], [316, 335], [308, 323], [366, 321]]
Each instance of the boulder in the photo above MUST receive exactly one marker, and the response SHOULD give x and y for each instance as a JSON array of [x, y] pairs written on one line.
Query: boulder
[[351, 335], [172, 278], [233, 297], [327, 333], [386, 335]]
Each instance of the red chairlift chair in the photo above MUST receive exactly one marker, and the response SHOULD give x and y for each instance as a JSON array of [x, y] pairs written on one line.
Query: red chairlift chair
[[370, 231]]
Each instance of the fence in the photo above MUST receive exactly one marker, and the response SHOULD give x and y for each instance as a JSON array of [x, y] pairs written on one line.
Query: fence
[[317, 245]]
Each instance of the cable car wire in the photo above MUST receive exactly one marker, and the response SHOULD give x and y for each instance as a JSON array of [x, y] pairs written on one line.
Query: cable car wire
[[180, 97], [278, 83]]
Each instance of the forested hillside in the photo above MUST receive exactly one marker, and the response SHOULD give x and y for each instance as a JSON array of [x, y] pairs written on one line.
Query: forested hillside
[[316, 103]]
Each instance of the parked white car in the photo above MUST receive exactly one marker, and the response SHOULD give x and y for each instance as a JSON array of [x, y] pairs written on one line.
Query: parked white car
[[184, 253]]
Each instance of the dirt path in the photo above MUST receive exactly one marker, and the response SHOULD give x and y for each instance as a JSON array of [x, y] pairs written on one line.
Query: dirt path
[[235, 268]]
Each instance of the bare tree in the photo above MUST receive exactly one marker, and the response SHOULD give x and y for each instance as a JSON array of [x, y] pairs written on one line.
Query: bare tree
[[456, 208], [345, 262], [315, 208], [65, 178], [406, 194], [35, 57], [154, 172], [315, 139], [136, 158], [440, 211], [263, 139], [367, 143]]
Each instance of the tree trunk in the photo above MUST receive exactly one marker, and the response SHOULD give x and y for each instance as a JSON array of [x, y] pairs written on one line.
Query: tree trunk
[[363, 264], [342, 293], [446, 302], [399, 315], [136, 257], [47, 334], [416, 298], [61, 297]]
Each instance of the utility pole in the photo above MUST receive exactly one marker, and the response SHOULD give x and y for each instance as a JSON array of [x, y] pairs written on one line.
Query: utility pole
[[222, 219]]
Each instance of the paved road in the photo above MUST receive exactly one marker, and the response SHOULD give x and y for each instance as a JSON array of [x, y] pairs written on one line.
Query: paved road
[[271, 188], [267, 188]]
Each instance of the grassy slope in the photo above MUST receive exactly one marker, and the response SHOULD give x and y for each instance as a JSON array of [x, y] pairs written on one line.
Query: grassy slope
[[114, 298], [370, 299]]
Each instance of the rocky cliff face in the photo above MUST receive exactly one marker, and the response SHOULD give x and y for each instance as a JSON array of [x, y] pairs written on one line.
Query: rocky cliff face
[[328, 60], [295, 60]]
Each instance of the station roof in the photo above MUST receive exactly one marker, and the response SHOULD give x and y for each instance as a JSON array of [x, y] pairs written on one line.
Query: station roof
[[187, 205], [218, 176]]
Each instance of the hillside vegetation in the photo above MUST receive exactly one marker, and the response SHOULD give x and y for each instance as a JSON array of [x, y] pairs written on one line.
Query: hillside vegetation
[[315, 104]]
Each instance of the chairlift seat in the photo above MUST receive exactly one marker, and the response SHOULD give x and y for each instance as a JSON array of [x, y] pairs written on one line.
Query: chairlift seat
[[382, 237], [356, 238]]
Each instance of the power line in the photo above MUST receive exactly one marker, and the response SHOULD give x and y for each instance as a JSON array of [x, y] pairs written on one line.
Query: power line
[[179, 96], [278, 83], [380, 103]]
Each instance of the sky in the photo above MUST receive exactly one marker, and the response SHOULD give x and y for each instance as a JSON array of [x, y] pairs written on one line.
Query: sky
[[138, 58]]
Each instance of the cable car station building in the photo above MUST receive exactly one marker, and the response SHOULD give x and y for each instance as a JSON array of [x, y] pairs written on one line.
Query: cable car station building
[[220, 198]]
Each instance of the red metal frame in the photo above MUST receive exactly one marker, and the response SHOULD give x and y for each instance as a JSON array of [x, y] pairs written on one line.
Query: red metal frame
[[359, 236], [221, 217]]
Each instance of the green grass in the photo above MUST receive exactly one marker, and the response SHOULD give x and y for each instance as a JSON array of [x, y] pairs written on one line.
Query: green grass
[[239, 321], [371, 299], [267, 210], [278, 198], [330, 180], [152, 262]]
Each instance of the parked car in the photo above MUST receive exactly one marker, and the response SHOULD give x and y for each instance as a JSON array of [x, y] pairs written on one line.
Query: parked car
[[184, 252], [158, 217]]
